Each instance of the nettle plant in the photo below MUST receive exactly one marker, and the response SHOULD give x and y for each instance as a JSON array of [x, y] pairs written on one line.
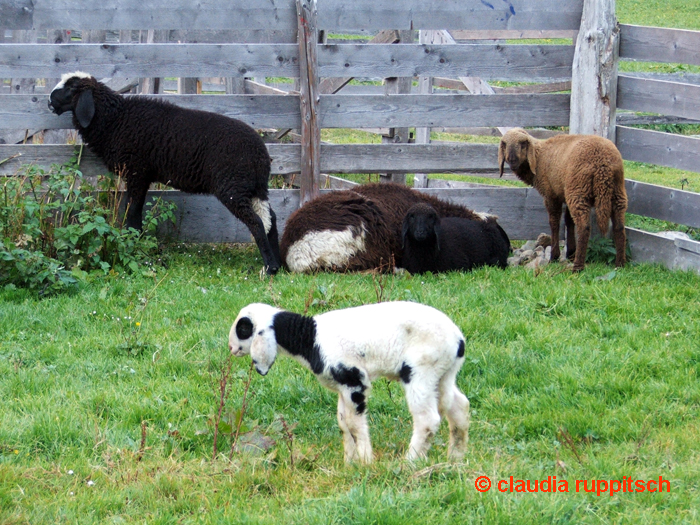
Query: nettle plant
[[56, 228]]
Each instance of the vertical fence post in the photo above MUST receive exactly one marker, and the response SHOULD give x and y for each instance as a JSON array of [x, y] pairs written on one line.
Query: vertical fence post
[[398, 86], [594, 78], [309, 100]]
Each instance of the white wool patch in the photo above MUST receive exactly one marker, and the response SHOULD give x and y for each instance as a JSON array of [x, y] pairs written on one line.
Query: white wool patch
[[66, 76], [262, 210], [325, 249], [486, 216]]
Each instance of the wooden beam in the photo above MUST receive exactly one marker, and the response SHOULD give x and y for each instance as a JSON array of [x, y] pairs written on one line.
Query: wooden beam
[[658, 96], [659, 44], [594, 79], [665, 149], [309, 100]]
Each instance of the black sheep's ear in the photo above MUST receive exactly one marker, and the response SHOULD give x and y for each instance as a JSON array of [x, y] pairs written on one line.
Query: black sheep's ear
[[85, 108], [404, 234]]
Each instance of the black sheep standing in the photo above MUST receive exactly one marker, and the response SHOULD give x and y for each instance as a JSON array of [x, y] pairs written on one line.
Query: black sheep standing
[[434, 244], [147, 140]]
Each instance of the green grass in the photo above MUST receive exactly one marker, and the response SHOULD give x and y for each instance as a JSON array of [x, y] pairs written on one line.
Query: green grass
[[609, 359]]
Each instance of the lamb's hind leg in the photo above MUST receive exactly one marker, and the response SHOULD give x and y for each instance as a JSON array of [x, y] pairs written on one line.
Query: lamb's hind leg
[[243, 210], [352, 421], [454, 405], [422, 399]]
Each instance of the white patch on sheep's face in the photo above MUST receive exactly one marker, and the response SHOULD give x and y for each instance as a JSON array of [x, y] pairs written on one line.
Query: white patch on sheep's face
[[67, 76], [325, 249], [262, 210]]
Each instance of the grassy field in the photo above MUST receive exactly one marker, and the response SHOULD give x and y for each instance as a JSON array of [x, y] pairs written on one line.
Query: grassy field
[[109, 398]]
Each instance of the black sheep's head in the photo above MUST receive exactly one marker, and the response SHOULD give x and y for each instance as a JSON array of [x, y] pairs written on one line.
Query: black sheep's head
[[421, 224], [74, 93]]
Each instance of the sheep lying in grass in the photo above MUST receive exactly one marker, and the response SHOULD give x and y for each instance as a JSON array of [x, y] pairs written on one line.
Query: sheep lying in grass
[[147, 140], [348, 349], [582, 171], [432, 244], [358, 229]]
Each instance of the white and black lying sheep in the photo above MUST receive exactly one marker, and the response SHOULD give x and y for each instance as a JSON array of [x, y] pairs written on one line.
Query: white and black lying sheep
[[348, 349], [147, 140], [434, 244]]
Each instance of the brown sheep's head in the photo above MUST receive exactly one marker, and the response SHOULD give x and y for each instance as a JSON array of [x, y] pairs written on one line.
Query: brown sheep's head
[[75, 93], [517, 148]]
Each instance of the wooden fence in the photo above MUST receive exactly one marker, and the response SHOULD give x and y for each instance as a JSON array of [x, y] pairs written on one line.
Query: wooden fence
[[241, 41]]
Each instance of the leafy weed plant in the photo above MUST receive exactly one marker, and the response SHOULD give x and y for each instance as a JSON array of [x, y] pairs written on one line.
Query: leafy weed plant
[[55, 229]]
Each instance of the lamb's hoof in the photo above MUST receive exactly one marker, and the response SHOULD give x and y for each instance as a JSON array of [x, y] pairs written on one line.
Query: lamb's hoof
[[577, 269]]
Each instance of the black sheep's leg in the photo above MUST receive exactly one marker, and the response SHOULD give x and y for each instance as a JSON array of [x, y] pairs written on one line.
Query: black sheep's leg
[[273, 238], [570, 235], [243, 211], [136, 191]]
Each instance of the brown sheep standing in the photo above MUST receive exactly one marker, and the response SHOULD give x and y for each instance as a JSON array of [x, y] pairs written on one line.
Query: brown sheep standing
[[582, 171]]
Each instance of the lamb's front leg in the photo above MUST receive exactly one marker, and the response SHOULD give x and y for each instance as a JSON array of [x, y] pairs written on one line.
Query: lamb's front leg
[[353, 422]]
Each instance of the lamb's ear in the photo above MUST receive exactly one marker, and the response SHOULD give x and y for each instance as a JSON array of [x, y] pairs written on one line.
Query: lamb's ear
[[404, 233], [263, 350], [532, 156], [85, 108], [501, 156]]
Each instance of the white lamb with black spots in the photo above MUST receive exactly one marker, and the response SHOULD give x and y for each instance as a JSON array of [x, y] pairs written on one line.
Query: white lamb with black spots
[[348, 349]]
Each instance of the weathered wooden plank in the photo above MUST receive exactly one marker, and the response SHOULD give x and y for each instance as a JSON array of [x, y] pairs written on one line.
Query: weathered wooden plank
[[279, 15], [450, 14], [511, 34], [370, 111], [659, 44], [658, 96], [259, 111], [675, 254], [335, 158], [408, 158], [337, 111], [175, 60], [667, 204], [653, 147], [491, 62], [496, 62], [285, 158], [157, 14]]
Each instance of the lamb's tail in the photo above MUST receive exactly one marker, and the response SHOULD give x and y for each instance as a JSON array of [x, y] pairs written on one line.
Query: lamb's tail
[[603, 190]]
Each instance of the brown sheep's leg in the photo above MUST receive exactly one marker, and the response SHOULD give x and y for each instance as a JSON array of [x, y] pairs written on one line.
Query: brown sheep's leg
[[619, 237], [554, 212], [582, 222], [570, 235]]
